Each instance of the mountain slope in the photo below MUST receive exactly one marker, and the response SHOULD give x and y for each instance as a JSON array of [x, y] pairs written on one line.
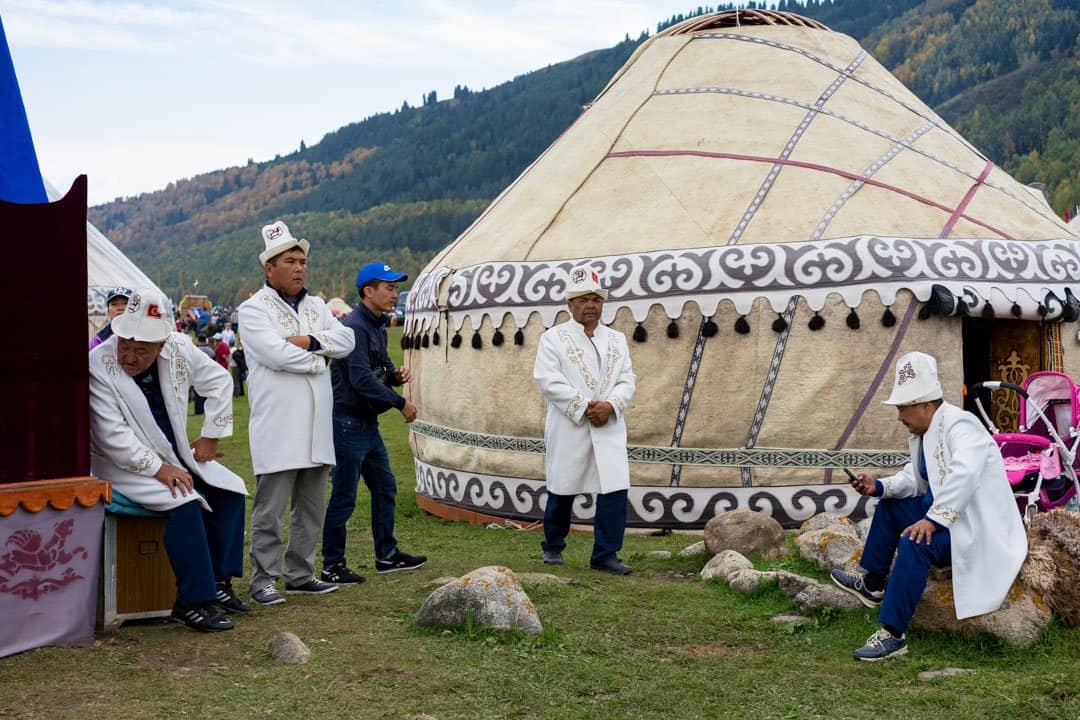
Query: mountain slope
[[398, 186]]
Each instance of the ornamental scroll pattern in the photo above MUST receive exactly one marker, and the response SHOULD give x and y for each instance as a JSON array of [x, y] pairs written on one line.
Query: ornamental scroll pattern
[[1021, 271], [648, 506], [716, 457]]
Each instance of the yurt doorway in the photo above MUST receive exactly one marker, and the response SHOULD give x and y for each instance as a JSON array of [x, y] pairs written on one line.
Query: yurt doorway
[[1007, 350]]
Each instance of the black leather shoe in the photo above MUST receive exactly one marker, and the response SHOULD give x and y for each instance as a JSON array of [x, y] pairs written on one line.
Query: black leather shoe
[[204, 618], [612, 565], [226, 599]]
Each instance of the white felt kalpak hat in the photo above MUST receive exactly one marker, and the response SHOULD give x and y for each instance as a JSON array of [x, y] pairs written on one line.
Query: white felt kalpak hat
[[278, 239], [147, 318], [583, 281], [916, 380]]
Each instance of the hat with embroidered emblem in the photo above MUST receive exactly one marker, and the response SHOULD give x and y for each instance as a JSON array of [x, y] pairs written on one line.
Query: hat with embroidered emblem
[[916, 380], [147, 318], [584, 280], [278, 239], [117, 292]]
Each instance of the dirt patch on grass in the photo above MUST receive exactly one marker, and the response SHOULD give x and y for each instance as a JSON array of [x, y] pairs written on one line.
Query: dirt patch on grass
[[670, 576], [700, 650], [387, 671]]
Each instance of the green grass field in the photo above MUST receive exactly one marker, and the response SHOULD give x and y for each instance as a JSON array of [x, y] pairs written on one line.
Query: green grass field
[[657, 644]]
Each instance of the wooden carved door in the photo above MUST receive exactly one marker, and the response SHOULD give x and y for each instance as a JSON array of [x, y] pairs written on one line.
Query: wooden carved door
[[1017, 349]]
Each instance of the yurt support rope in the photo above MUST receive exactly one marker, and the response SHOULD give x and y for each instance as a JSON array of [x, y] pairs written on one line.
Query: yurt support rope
[[688, 394]]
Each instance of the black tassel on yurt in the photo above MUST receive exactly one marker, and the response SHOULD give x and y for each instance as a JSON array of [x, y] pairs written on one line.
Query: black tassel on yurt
[[424, 341], [455, 342], [816, 323], [779, 325], [887, 317], [639, 333], [406, 342], [709, 328], [1015, 310], [497, 339], [1043, 310], [673, 330], [988, 311], [853, 320], [519, 337], [924, 311], [742, 326], [477, 343], [435, 337]]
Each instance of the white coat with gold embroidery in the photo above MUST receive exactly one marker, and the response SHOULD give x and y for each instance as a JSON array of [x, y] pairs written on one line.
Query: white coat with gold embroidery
[[289, 388], [572, 369], [126, 445], [972, 498]]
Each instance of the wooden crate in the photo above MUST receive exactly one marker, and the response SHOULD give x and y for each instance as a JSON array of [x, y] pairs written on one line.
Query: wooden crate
[[136, 579]]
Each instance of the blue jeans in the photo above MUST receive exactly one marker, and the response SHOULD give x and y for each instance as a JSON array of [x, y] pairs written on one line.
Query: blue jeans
[[912, 566], [609, 525], [204, 547], [359, 450]]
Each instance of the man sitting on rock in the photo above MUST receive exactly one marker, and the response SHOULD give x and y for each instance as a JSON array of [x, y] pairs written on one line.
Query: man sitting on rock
[[951, 504]]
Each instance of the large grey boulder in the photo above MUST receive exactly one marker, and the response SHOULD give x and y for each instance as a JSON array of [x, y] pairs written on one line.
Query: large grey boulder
[[488, 597], [792, 584], [745, 531], [747, 580], [823, 520], [697, 548], [1019, 621], [835, 546], [723, 564], [813, 597]]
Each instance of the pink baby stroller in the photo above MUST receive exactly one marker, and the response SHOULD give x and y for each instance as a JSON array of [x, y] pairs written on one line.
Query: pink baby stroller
[[1040, 459]]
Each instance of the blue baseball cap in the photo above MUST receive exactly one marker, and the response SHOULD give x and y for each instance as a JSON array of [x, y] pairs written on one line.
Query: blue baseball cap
[[378, 271]]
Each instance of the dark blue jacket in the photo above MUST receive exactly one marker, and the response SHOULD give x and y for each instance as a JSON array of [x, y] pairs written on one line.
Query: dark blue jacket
[[362, 380]]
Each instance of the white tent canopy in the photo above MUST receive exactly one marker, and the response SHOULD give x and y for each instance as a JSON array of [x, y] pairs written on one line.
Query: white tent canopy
[[106, 267]]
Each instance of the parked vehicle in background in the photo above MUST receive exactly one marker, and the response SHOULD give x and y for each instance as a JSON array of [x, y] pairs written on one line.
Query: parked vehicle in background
[[397, 315]]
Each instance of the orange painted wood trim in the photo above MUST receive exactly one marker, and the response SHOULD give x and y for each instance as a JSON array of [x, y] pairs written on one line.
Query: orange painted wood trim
[[450, 512], [59, 494]]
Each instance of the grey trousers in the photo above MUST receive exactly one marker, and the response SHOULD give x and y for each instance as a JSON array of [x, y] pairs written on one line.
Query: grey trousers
[[307, 490]]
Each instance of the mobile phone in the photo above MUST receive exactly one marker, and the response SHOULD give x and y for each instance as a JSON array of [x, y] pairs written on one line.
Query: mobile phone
[[851, 476]]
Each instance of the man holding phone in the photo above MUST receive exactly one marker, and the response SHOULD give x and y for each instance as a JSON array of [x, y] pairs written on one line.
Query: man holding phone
[[951, 504]]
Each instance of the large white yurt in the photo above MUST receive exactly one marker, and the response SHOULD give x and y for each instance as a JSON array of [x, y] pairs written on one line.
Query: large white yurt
[[777, 219], [106, 267]]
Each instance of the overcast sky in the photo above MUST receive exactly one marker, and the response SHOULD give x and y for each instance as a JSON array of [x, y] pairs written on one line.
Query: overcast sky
[[139, 93]]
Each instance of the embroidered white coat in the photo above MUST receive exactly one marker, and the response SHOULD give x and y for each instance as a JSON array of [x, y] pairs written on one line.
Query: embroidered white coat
[[571, 370], [972, 498], [289, 388], [126, 445]]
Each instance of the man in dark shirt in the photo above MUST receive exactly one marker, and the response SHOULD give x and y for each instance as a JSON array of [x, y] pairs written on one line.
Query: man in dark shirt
[[362, 391]]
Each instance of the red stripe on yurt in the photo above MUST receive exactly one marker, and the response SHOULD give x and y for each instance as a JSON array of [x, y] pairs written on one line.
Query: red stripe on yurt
[[959, 211], [886, 365], [808, 166]]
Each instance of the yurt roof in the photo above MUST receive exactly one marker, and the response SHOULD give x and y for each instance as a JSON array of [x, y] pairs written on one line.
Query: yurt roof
[[748, 154]]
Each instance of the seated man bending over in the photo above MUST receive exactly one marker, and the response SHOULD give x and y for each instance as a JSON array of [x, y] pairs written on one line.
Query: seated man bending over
[[951, 504], [139, 382]]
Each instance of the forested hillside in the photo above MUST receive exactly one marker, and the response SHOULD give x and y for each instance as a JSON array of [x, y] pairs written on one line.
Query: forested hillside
[[402, 184]]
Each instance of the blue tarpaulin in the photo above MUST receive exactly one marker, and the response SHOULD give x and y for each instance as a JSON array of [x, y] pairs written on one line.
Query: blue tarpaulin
[[20, 175]]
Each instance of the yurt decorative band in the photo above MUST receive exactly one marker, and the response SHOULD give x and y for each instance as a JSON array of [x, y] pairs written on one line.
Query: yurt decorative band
[[715, 457], [648, 506], [1024, 279]]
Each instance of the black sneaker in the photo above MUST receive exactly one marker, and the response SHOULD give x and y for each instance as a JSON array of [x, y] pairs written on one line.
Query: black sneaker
[[553, 557], [399, 561], [204, 617], [340, 575], [311, 587], [855, 584], [268, 595], [612, 565], [226, 599]]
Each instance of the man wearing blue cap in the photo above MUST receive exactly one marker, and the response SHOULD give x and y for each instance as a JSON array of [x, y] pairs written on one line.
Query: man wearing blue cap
[[362, 391], [116, 302]]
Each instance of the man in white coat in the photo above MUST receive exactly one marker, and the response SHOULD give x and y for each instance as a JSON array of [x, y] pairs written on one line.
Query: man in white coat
[[583, 371], [289, 337], [951, 504], [139, 382]]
